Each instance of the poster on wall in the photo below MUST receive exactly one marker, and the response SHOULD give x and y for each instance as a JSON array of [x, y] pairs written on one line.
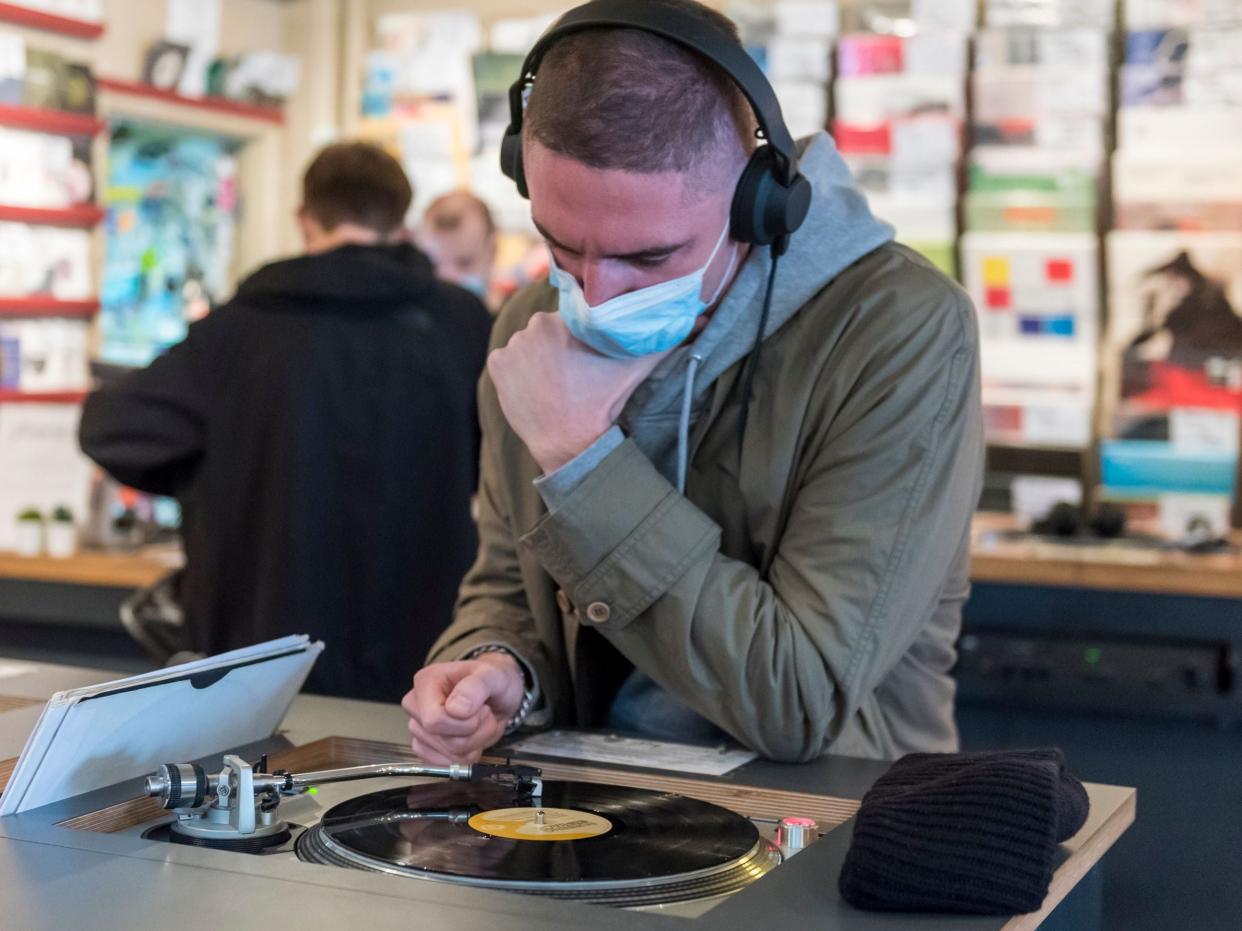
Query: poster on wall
[[172, 209], [1175, 331], [1172, 365]]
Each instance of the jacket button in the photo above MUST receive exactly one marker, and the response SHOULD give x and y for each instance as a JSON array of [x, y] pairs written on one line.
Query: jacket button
[[598, 612], [562, 602]]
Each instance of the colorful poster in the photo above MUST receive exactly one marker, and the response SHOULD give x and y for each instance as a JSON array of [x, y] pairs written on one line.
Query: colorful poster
[[1175, 329], [172, 209], [1037, 298]]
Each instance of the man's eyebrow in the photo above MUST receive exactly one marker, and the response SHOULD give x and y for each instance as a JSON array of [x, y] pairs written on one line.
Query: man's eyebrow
[[648, 254]]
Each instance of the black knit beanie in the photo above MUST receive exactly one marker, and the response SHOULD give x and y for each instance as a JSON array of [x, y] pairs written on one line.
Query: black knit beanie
[[963, 832]]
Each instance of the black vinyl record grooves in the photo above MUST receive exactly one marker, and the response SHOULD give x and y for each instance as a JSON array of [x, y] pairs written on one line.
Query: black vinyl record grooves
[[612, 844]]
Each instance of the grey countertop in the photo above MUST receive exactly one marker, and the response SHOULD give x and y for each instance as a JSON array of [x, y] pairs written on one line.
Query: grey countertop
[[55, 877]]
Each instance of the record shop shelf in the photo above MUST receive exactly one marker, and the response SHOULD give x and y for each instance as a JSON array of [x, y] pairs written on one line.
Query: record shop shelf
[[93, 568], [41, 397], [79, 216], [58, 122], [42, 306], [1043, 563], [1019, 562], [273, 115], [17, 14]]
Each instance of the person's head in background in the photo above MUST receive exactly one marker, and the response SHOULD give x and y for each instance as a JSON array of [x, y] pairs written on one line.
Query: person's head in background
[[459, 234], [353, 193]]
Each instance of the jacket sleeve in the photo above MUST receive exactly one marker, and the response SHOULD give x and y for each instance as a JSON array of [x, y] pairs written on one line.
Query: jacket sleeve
[[147, 429], [784, 659], [492, 607]]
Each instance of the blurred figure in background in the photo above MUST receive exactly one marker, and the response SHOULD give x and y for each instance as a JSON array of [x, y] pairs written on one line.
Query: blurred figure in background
[[459, 234], [320, 434]]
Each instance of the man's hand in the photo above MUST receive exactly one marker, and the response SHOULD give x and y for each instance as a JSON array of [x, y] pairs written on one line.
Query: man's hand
[[558, 395], [458, 710]]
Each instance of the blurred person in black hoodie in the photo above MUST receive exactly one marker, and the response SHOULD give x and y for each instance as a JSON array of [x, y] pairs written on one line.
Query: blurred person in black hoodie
[[320, 434]]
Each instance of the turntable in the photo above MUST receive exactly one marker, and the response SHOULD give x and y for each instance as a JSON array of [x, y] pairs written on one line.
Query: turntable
[[488, 825], [355, 831]]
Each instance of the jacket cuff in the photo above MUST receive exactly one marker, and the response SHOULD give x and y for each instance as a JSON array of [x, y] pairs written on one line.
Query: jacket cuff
[[532, 694], [621, 538], [556, 487]]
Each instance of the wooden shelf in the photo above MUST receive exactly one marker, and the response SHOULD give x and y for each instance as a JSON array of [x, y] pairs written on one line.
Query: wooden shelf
[[92, 567], [215, 104], [8, 396], [1108, 567], [38, 306], [60, 122], [80, 216], [19, 15]]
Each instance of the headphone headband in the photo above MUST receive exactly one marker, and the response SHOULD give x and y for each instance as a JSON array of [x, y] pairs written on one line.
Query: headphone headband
[[771, 198], [688, 32]]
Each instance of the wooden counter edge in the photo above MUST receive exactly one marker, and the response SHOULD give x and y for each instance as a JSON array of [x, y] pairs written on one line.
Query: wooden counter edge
[[107, 570], [1196, 581], [1070, 873]]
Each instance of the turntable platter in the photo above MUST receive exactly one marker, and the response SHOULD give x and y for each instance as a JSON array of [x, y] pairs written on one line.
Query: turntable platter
[[611, 844]]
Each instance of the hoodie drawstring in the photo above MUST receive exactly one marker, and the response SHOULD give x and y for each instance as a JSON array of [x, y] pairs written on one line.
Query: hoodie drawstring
[[683, 426]]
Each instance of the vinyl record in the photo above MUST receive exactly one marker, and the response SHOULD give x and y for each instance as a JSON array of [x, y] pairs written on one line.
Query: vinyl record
[[581, 840]]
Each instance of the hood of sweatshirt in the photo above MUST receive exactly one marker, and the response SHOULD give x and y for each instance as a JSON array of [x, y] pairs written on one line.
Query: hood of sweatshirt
[[375, 277], [838, 231]]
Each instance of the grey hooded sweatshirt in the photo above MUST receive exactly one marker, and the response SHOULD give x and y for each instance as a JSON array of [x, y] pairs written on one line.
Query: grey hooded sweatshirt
[[803, 597]]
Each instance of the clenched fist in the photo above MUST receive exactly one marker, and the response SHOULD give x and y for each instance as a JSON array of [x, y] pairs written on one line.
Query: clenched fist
[[458, 710], [558, 395]]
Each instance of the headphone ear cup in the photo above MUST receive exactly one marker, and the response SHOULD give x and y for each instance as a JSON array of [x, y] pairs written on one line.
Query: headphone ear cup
[[765, 211], [511, 160], [750, 198]]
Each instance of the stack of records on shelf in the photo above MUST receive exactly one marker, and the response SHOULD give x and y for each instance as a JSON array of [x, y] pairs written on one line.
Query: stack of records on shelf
[[1030, 256], [900, 106], [1037, 296], [44, 355], [42, 263], [1173, 353]]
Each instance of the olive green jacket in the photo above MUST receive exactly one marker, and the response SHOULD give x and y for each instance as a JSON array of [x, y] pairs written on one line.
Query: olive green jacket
[[804, 599]]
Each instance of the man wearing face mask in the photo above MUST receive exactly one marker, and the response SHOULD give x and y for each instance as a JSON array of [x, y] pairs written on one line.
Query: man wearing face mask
[[459, 235], [715, 499]]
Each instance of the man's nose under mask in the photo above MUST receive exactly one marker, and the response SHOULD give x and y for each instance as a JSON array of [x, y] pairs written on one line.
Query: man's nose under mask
[[652, 319]]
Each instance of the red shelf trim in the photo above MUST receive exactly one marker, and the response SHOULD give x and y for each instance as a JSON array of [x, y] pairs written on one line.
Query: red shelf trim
[[7, 395], [215, 104], [46, 307], [80, 216], [60, 122], [20, 15]]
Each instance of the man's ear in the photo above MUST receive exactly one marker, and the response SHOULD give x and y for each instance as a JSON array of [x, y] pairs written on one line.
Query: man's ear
[[309, 227]]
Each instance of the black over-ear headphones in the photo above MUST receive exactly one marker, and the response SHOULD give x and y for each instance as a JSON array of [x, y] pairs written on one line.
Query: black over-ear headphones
[[772, 197]]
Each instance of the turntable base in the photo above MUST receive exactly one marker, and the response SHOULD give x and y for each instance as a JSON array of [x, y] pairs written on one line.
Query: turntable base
[[54, 876]]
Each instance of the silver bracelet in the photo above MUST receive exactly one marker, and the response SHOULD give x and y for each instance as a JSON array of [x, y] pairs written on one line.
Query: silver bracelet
[[528, 696]]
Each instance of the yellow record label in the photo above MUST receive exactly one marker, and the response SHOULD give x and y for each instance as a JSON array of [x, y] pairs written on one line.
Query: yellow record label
[[540, 823]]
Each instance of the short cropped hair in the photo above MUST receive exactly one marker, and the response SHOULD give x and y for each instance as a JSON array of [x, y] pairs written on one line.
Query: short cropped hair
[[448, 211], [628, 100], [358, 183]]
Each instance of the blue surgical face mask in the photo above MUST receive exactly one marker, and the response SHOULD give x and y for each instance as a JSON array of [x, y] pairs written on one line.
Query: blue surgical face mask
[[475, 285], [651, 319]]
